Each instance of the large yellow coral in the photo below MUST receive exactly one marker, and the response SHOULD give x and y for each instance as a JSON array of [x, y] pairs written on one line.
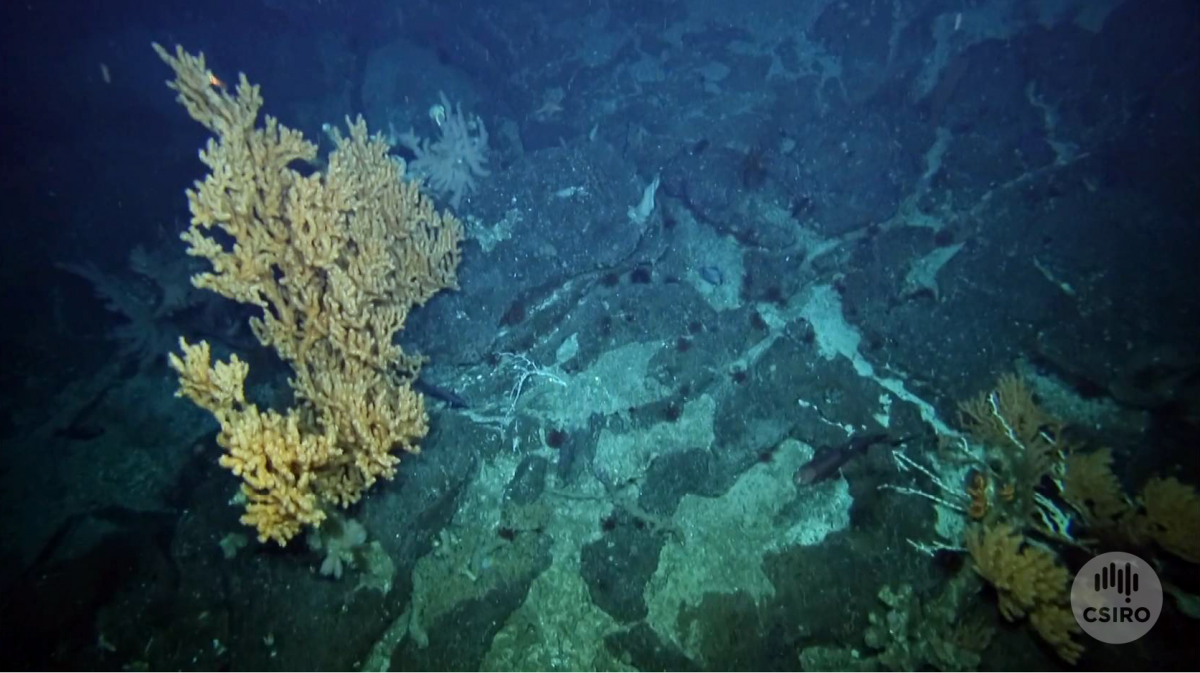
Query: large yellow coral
[[1030, 582], [1024, 446], [1091, 487], [1173, 516], [1009, 419], [335, 259]]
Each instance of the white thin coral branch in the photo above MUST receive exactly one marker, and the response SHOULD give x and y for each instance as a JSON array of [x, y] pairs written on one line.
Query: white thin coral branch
[[525, 369]]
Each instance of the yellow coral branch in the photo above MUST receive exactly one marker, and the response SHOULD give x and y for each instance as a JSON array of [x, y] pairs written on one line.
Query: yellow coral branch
[[1029, 581], [1173, 516], [335, 260]]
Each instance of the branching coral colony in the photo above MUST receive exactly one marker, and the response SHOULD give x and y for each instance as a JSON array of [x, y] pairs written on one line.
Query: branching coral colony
[[1029, 492], [335, 260]]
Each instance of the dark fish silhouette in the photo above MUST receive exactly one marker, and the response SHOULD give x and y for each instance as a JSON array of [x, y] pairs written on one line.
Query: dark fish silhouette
[[451, 398], [81, 427], [828, 461]]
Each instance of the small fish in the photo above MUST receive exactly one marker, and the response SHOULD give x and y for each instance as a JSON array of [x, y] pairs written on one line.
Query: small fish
[[827, 462], [451, 398], [79, 432], [712, 275], [81, 427]]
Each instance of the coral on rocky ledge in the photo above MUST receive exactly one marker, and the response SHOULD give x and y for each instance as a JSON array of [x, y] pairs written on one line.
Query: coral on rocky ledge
[[1029, 582], [335, 259]]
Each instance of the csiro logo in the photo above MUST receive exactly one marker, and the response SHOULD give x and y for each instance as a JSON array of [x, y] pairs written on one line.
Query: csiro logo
[[1116, 597]]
